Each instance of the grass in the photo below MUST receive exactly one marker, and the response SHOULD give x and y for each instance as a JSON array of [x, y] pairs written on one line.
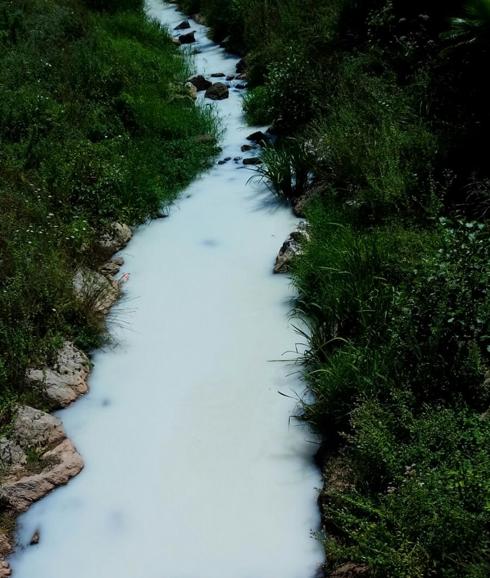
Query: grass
[[95, 127]]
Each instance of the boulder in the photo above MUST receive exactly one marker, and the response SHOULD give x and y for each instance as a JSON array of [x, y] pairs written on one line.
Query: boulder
[[218, 91], [62, 463], [291, 248], [95, 290], [184, 25], [66, 380], [117, 237], [200, 82], [188, 38], [33, 428]]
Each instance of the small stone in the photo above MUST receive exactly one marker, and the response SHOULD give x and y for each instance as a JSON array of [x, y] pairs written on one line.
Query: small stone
[[241, 86], [218, 75], [217, 91], [117, 237], [11, 454], [109, 269], [35, 538], [241, 66], [258, 137], [184, 25], [350, 570], [5, 545], [191, 90], [246, 148], [189, 38], [291, 248], [205, 138], [200, 82], [252, 161]]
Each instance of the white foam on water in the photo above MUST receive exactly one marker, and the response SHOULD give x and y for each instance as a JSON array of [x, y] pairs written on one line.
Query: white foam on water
[[193, 468]]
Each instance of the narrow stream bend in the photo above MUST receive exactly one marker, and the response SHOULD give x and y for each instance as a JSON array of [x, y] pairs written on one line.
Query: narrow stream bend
[[193, 469]]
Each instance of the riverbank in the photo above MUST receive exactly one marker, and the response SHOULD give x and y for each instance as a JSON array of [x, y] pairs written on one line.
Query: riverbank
[[99, 134], [378, 111]]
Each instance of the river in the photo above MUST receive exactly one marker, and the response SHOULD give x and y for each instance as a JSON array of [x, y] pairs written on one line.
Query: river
[[193, 466]]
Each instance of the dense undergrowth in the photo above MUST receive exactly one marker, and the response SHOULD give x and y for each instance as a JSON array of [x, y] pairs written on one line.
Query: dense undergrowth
[[95, 127], [381, 108]]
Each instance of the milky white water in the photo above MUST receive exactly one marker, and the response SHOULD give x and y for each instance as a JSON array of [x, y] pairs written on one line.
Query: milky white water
[[193, 469]]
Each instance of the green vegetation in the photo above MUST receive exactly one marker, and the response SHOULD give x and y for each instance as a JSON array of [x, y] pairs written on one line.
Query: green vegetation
[[381, 108], [95, 127]]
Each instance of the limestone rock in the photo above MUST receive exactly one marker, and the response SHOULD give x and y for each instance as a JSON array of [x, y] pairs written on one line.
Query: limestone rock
[[64, 462], [67, 379], [11, 455], [5, 545], [291, 248], [5, 570], [116, 238], [112, 267], [218, 91], [95, 290], [5, 550], [191, 90], [33, 428]]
